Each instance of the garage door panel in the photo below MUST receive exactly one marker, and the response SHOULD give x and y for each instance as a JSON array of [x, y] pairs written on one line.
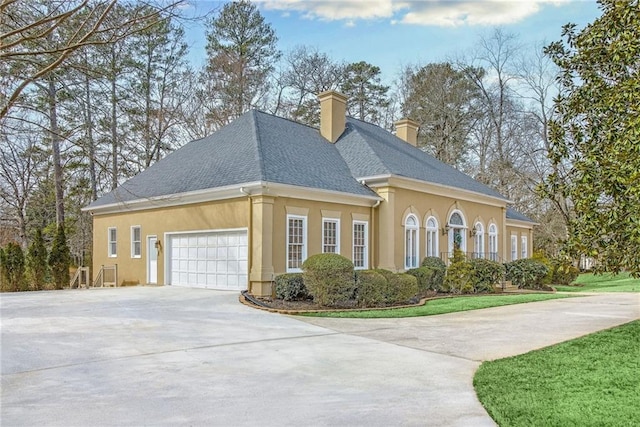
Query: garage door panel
[[216, 260]]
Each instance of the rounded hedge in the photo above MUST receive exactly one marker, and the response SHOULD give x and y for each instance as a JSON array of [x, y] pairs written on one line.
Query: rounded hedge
[[329, 279], [371, 288], [290, 287]]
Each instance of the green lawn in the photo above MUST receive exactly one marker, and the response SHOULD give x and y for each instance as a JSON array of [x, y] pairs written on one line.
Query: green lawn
[[442, 306], [603, 283], [589, 381]]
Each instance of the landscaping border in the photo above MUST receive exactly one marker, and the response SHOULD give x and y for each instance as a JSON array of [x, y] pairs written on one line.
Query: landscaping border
[[250, 301]]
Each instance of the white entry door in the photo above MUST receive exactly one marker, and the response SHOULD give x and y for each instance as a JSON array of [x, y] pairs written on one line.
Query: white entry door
[[211, 259], [152, 260]]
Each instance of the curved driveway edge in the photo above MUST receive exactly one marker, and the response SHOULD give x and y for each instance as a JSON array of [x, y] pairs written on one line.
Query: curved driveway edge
[[174, 356]]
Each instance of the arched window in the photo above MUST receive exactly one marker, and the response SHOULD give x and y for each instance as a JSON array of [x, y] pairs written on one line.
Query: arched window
[[432, 236], [411, 242], [493, 242], [478, 241], [457, 236]]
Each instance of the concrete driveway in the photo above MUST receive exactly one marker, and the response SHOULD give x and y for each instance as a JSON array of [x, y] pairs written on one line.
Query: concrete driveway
[[174, 356]]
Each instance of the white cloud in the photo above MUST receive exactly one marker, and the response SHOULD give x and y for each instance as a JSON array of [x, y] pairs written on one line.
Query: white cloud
[[442, 13], [334, 9]]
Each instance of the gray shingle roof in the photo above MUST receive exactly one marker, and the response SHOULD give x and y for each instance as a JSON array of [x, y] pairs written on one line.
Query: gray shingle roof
[[262, 147], [514, 214], [370, 150], [255, 147]]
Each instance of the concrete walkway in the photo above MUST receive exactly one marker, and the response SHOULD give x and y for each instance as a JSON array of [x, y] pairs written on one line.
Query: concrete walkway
[[171, 356]]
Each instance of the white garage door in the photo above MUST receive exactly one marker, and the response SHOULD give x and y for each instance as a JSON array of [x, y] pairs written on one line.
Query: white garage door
[[215, 260]]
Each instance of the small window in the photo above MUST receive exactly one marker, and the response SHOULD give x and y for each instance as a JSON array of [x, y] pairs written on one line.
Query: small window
[[296, 242], [514, 247], [360, 245], [331, 236], [523, 247], [112, 248], [432, 237], [136, 242], [411, 242]]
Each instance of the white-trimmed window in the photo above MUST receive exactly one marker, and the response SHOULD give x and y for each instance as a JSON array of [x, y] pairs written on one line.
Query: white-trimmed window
[[360, 245], [296, 242], [411, 242], [523, 247], [514, 247], [112, 242], [478, 240], [457, 232], [432, 236], [330, 236], [136, 242], [493, 242]]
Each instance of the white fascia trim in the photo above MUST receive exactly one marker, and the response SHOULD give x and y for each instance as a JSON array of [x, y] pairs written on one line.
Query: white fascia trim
[[207, 195], [235, 191], [432, 188], [519, 223]]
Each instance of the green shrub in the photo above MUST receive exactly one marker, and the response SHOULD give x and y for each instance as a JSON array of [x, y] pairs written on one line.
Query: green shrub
[[457, 279], [329, 279], [60, 259], [440, 269], [526, 273], [542, 257], [371, 288], [425, 276], [12, 261], [401, 287], [37, 261], [562, 271], [290, 287], [485, 273]]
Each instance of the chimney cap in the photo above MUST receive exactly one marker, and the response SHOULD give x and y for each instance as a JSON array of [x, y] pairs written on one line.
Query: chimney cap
[[332, 94], [407, 122]]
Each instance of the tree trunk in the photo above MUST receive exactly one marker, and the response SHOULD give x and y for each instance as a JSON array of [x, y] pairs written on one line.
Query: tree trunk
[[54, 133]]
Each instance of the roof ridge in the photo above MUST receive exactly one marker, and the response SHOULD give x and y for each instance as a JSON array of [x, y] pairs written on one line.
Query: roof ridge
[[256, 134], [284, 118]]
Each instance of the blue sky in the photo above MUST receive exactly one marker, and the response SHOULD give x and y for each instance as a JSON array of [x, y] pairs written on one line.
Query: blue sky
[[393, 33]]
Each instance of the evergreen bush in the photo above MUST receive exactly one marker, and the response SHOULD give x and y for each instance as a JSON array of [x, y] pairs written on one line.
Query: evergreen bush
[[329, 278], [425, 276], [458, 277], [485, 274], [526, 273], [290, 287], [37, 267], [371, 288], [60, 259], [12, 267], [440, 269]]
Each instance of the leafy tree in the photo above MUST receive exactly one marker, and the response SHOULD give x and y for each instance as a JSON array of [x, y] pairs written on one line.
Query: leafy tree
[[37, 261], [441, 99], [60, 259], [241, 48], [597, 132], [12, 262], [367, 95]]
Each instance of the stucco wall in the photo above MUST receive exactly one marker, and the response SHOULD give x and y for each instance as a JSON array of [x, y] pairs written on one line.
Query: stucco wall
[[423, 205], [518, 231], [226, 214]]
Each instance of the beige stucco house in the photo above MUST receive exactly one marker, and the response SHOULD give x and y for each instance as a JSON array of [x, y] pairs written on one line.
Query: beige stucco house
[[256, 198]]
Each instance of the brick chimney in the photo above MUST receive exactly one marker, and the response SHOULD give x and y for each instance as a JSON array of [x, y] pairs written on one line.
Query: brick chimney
[[333, 114], [407, 130]]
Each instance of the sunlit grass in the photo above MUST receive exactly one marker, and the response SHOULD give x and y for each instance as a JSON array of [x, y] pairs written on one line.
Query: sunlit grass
[[589, 381], [442, 306], [622, 282]]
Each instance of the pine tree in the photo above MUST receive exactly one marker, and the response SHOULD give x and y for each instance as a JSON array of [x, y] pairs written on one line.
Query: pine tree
[[12, 260], [60, 259], [37, 261]]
